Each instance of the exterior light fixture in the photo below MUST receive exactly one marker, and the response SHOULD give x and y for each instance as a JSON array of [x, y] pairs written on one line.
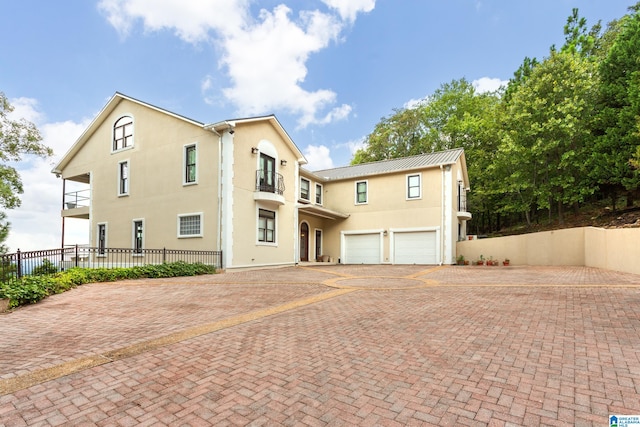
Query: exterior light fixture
[[254, 150], [283, 163]]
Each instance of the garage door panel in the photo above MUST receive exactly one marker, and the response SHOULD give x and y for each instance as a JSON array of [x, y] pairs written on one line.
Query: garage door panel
[[362, 249], [416, 247]]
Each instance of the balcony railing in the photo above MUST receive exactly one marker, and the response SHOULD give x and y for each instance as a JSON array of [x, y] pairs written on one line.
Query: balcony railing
[[269, 182], [462, 202], [77, 199]]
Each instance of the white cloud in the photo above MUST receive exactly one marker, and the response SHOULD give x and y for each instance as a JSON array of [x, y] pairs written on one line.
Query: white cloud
[[348, 10], [318, 156], [413, 103], [487, 84], [36, 224], [354, 145], [264, 57], [191, 20]]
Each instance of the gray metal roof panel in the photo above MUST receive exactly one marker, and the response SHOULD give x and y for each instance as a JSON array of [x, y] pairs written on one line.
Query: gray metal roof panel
[[393, 165]]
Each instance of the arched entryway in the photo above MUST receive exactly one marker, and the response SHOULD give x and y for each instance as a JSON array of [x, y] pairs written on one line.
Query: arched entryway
[[304, 242]]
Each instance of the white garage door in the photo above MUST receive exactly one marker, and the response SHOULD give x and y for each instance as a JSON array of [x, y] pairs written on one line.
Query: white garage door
[[416, 247], [362, 248]]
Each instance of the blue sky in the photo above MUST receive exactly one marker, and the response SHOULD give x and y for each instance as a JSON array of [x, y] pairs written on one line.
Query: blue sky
[[328, 69]]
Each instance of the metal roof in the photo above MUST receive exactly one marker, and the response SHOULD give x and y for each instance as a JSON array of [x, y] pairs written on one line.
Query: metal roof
[[420, 161]]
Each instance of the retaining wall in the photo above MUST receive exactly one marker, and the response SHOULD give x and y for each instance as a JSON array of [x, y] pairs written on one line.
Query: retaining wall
[[611, 249]]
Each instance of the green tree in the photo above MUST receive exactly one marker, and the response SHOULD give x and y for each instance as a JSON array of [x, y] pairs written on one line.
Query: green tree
[[454, 116], [546, 135], [17, 138], [618, 106]]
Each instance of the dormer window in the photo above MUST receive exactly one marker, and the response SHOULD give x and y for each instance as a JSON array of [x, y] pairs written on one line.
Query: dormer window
[[123, 133]]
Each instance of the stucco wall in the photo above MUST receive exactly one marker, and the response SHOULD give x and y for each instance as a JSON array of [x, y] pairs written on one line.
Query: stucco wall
[[611, 249]]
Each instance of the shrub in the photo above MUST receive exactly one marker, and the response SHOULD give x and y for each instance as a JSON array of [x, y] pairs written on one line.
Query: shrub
[[31, 289], [47, 267]]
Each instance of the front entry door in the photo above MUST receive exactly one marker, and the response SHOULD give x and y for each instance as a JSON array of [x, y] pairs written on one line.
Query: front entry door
[[304, 242]]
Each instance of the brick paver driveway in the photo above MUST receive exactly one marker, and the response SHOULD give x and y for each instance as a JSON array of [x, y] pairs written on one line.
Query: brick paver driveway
[[330, 345]]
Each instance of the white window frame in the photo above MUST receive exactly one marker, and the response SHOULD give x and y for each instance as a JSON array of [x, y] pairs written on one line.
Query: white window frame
[[366, 183], [184, 164], [407, 187], [308, 198], [120, 178], [113, 134], [319, 192], [133, 236], [275, 228], [200, 215], [106, 229]]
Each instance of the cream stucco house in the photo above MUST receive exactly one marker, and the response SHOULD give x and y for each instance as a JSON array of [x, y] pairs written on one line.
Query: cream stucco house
[[156, 179]]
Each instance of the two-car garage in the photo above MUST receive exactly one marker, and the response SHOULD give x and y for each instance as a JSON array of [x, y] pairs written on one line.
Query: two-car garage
[[408, 246]]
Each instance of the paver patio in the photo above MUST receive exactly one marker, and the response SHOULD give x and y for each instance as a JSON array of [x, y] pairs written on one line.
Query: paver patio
[[330, 345]]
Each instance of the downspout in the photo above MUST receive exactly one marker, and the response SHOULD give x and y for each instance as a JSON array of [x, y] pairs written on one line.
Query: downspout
[[219, 196]]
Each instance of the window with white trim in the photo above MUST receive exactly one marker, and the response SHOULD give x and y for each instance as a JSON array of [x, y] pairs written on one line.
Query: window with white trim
[[266, 226], [102, 239], [122, 133], [190, 164], [414, 186], [138, 236], [190, 225], [123, 178], [304, 189], [318, 194], [361, 192]]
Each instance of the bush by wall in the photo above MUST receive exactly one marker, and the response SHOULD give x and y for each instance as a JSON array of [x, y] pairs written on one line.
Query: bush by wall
[[31, 289]]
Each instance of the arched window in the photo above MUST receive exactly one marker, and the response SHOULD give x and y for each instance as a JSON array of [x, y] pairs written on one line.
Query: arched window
[[123, 133]]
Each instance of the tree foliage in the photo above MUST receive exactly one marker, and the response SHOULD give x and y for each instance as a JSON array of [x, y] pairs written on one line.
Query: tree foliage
[[17, 138], [617, 125], [564, 130]]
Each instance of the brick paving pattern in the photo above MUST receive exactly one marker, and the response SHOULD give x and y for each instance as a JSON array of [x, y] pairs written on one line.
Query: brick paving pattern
[[473, 346]]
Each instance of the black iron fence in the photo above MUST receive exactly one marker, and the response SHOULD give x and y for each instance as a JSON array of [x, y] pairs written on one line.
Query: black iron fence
[[48, 261]]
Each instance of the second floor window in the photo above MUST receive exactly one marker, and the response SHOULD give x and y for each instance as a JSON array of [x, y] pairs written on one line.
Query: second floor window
[[361, 192], [304, 189], [190, 158], [318, 194], [267, 177], [413, 187], [123, 178], [123, 133]]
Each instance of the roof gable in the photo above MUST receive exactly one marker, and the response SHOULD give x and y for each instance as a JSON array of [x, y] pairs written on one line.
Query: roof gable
[[115, 100], [272, 120]]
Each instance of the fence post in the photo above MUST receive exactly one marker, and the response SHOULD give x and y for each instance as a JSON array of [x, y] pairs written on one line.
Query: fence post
[[76, 254], [18, 264], [164, 255]]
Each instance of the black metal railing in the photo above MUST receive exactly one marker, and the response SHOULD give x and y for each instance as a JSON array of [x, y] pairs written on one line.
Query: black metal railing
[[77, 199], [462, 201], [18, 264], [269, 181]]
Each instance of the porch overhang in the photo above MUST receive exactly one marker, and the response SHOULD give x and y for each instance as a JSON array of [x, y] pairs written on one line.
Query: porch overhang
[[322, 212]]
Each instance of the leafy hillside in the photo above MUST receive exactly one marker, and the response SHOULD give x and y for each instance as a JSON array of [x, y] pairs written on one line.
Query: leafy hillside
[[561, 138]]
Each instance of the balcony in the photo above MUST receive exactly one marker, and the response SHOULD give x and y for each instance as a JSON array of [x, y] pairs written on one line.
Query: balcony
[[76, 204], [463, 214], [269, 187]]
